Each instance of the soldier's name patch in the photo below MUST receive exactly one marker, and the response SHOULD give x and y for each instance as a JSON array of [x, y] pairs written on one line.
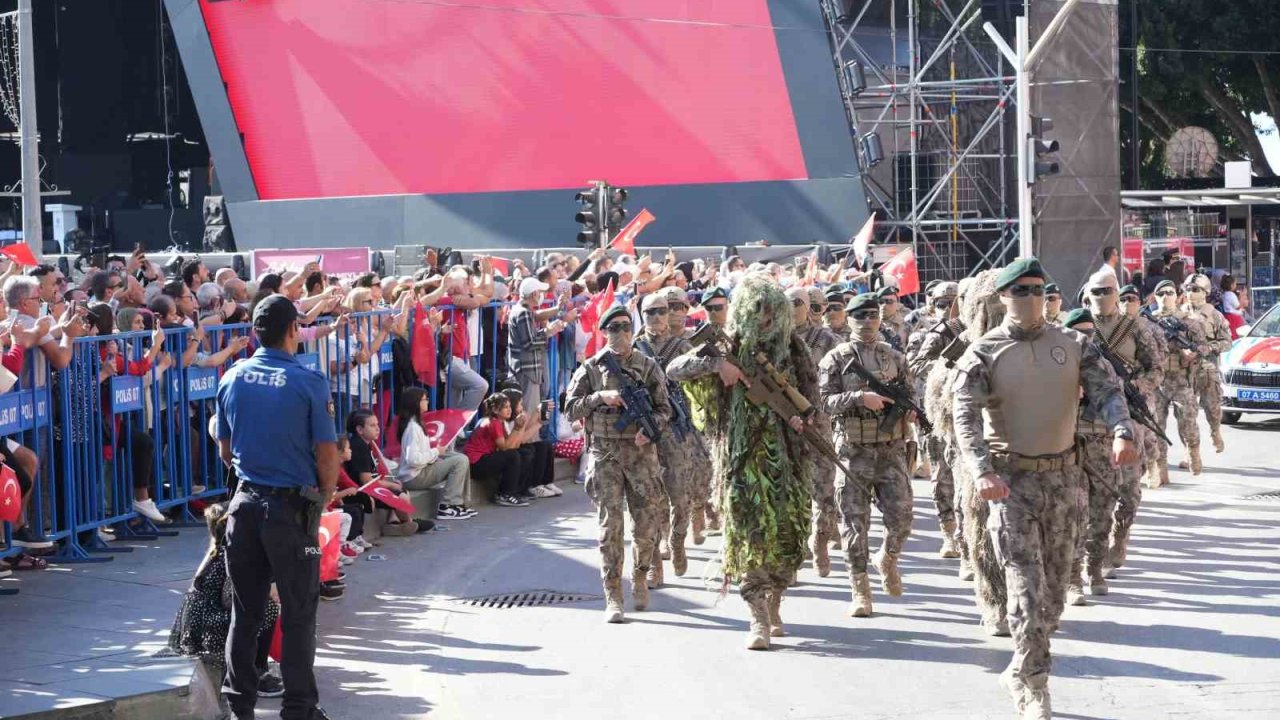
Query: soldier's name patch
[[1059, 354]]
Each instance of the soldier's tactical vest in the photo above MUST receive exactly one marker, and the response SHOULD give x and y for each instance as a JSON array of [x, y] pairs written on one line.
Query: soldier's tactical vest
[[600, 424], [1118, 331], [1035, 395], [862, 426]]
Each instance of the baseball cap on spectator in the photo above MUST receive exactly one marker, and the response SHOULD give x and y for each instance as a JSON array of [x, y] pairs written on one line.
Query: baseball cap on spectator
[[530, 286]]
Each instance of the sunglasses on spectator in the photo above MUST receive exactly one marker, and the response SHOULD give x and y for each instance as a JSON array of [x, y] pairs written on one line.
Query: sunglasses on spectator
[[1025, 290], [718, 307], [1101, 291], [617, 328], [677, 307], [1167, 293], [834, 307], [865, 314], [653, 312]]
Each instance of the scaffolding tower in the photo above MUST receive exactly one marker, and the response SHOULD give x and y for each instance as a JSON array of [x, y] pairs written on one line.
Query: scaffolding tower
[[926, 94]]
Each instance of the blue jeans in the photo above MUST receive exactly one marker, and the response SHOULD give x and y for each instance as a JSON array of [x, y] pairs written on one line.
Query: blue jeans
[[466, 387]]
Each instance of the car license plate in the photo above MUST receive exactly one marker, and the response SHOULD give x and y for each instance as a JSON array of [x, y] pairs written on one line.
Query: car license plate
[[1263, 395]]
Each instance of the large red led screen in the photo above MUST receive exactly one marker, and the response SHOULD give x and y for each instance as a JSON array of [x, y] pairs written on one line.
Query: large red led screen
[[372, 97]]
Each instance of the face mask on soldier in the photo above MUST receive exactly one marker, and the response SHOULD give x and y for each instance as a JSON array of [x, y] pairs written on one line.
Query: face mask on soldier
[[1168, 300], [655, 319], [1130, 306], [617, 338], [866, 325], [1195, 296], [1024, 304], [1103, 299], [1053, 305]]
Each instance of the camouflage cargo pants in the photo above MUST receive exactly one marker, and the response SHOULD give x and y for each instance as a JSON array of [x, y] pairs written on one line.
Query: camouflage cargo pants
[[1176, 395], [1102, 482], [673, 507], [1034, 533], [624, 477], [755, 583], [1209, 394], [879, 474], [699, 474], [824, 501], [944, 491], [1129, 489]]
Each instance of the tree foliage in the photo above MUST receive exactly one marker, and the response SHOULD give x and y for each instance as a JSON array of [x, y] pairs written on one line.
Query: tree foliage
[[1215, 80]]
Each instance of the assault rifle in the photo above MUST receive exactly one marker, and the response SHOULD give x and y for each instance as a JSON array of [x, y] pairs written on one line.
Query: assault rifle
[[637, 404], [768, 388], [896, 391], [681, 419], [1138, 409]]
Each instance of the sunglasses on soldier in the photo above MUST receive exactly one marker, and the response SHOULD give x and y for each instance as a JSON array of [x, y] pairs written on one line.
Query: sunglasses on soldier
[[617, 328], [1167, 293], [653, 312], [835, 307], [797, 303], [1128, 298], [816, 307], [677, 307], [1101, 291], [717, 307], [942, 304], [1025, 290], [865, 314]]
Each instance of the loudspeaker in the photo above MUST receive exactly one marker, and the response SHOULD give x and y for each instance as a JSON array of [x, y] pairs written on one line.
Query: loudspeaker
[[217, 226]]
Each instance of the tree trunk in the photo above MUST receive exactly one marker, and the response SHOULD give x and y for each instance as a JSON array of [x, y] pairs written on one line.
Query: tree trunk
[[1241, 125], [1268, 88]]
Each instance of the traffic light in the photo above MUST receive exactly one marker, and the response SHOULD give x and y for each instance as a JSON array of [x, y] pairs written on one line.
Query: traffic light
[[616, 209], [1039, 149], [591, 216]]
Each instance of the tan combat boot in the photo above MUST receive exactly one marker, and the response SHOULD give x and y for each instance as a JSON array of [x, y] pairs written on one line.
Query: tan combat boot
[[1075, 593], [1193, 457], [861, 605], [1035, 699], [966, 569], [833, 533], [758, 636], [1097, 579], [821, 559], [613, 601], [1119, 546], [679, 561], [699, 522], [639, 590], [655, 570], [1218, 445], [949, 550], [890, 579], [664, 549], [996, 627], [775, 614], [1151, 476], [1012, 684]]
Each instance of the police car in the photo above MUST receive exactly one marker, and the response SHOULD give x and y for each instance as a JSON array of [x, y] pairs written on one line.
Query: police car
[[1251, 369]]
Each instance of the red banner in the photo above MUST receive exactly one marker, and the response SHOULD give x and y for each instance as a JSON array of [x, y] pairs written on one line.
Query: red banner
[[330, 544], [10, 494], [625, 242], [590, 318], [20, 253], [442, 426], [388, 497], [344, 262], [903, 272]]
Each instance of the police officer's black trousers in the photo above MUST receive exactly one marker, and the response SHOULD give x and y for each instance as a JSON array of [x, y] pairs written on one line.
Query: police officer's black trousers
[[267, 540]]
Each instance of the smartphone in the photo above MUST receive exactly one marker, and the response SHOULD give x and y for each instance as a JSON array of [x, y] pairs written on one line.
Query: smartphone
[[319, 259], [44, 309], [547, 407]]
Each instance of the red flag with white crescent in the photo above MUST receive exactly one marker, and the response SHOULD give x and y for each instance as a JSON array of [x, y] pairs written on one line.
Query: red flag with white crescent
[[387, 496], [330, 543], [590, 318], [625, 242], [442, 426], [10, 494], [903, 271]]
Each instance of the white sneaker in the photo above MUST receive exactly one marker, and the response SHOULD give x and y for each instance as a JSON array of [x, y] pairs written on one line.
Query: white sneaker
[[147, 508], [105, 536], [540, 491], [364, 544], [197, 489], [555, 491]]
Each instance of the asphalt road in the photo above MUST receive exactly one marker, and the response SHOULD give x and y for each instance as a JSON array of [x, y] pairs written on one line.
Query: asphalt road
[[1190, 629]]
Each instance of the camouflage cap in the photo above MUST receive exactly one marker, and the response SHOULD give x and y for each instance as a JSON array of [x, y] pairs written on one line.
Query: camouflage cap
[[671, 294], [1018, 269], [1077, 316], [863, 302], [656, 299]]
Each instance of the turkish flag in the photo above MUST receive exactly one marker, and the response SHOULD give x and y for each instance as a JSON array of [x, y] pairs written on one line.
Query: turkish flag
[[590, 318], [501, 265], [19, 253], [277, 642], [442, 426], [330, 544], [10, 494], [862, 240], [903, 271], [625, 242], [389, 498]]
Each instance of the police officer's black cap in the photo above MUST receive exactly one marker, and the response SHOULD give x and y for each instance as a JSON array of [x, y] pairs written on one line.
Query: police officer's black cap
[[1077, 316], [714, 294], [613, 313], [1018, 269], [274, 315], [1129, 290], [1052, 289], [864, 301]]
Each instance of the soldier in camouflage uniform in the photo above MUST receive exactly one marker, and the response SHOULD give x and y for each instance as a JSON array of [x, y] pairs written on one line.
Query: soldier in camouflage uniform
[[892, 326], [807, 307], [1131, 305], [1177, 392], [716, 304], [1015, 416], [1053, 313], [699, 482], [921, 315], [1208, 379], [877, 456], [835, 319], [624, 463], [1136, 346], [672, 508], [924, 348]]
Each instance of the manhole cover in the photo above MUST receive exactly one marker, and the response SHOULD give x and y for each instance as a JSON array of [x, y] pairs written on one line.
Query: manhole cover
[[527, 598], [1273, 496]]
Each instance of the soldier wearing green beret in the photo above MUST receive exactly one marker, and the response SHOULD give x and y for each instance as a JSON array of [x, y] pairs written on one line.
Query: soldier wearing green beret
[[1053, 304], [624, 465], [1014, 408], [877, 456], [892, 318], [834, 318], [1177, 391]]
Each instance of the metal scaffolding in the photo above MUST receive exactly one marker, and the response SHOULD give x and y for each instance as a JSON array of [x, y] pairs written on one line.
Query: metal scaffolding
[[935, 99]]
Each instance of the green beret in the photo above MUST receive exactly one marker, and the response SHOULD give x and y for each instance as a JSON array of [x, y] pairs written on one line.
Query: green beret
[[1018, 269], [714, 294], [887, 290], [613, 313], [864, 301], [1164, 284], [1052, 289], [1129, 290], [835, 292], [1077, 316]]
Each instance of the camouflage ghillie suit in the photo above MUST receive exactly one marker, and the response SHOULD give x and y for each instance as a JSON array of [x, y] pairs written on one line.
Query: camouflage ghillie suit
[[1015, 415], [767, 467], [620, 471], [980, 311]]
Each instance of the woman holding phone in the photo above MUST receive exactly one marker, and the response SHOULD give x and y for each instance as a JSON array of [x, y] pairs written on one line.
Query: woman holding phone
[[537, 456]]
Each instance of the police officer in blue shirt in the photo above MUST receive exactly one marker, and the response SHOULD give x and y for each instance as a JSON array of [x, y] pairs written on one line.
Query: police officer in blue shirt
[[276, 427]]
